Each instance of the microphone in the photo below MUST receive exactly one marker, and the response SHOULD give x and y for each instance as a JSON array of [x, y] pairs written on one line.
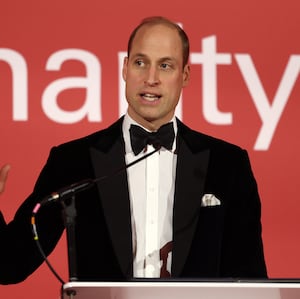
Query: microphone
[[70, 190]]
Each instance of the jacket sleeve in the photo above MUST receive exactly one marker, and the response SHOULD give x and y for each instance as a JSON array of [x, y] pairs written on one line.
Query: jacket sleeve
[[19, 254], [243, 254]]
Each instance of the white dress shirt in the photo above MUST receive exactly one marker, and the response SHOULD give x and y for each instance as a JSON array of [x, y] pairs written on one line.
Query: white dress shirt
[[151, 185]]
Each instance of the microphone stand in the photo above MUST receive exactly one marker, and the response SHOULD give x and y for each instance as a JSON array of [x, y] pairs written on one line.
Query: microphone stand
[[70, 214]]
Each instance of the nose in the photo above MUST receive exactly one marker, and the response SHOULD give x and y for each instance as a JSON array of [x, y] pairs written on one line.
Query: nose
[[152, 77]]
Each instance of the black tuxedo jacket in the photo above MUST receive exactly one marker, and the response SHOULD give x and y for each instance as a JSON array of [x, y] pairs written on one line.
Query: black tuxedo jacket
[[208, 242]]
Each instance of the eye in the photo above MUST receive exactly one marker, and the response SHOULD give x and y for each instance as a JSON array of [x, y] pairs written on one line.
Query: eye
[[139, 62], [165, 66]]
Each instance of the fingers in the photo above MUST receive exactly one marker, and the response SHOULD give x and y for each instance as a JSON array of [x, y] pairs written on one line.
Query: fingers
[[3, 176]]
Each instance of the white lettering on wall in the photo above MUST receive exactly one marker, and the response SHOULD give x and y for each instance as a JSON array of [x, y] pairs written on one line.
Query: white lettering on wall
[[209, 58], [269, 111], [19, 71], [122, 98], [91, 82]]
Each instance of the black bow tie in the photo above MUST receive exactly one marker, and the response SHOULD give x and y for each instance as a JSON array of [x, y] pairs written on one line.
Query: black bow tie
[[139, 138]]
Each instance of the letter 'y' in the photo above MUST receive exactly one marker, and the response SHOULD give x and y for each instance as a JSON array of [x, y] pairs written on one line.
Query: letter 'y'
[[269, 112]]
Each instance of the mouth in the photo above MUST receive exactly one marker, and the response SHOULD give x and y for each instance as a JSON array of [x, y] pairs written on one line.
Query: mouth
[[150, 97]]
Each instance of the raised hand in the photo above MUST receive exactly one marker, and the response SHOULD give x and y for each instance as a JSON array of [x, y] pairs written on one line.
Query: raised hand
[[3, 176]]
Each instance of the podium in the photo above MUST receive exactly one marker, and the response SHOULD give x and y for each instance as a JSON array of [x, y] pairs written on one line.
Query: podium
[[181, 290]]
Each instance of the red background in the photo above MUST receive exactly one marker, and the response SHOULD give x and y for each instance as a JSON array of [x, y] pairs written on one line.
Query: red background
[[266, 30]]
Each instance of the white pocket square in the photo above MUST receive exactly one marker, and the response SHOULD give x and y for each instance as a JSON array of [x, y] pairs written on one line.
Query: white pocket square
[[209, 200]]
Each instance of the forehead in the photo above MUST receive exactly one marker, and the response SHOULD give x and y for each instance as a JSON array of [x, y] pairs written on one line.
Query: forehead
[[159, 38]]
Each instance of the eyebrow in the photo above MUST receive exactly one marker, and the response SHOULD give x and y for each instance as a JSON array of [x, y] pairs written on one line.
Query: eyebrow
[[138, 55], [166, 58]]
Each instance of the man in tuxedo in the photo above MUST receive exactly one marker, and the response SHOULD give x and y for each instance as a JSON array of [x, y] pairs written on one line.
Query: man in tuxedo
[[190, 209]]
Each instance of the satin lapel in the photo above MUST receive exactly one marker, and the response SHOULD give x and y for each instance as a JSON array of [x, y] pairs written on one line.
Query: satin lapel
[[114, 196], [190, 178]]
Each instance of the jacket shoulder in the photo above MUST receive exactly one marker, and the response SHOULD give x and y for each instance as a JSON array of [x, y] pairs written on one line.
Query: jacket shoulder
[[198, 141], [102, 139]]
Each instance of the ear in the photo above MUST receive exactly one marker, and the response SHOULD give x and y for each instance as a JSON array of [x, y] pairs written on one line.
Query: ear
[[186, 75], [124, 70]]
